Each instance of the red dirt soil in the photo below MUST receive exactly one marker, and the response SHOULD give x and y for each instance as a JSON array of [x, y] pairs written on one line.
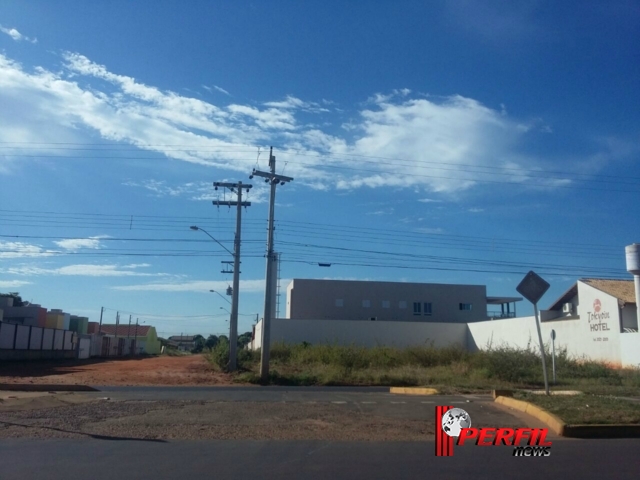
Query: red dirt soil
[[163, 370]]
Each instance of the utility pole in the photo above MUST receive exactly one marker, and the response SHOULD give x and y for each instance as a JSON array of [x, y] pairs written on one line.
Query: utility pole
[[233, 327], [100, 327], [129, 329], [274, 179], [136, 339], [116, 332]]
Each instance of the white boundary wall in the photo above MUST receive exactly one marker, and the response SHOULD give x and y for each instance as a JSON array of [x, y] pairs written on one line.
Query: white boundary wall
[[363, 333]]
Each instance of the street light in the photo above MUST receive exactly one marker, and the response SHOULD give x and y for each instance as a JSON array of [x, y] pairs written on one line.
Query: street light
[[233, 323], [225, 299]]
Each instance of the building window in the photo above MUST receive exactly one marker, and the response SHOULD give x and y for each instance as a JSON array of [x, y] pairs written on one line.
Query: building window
[[339, 302], [427, 308], [386, 304], [366, 303], [465, 306], [417, 308], [402, 304]]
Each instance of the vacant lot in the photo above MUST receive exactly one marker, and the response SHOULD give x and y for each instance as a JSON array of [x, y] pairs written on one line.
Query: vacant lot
[[163, 370]]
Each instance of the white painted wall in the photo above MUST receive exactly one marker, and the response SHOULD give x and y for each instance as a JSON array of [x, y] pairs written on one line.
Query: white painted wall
[[22, 338], [48, 339], [630, 349], [7, 331], [36, 338], [363, 333]]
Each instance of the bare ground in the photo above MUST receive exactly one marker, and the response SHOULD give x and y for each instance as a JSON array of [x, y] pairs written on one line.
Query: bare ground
[[163, 370]]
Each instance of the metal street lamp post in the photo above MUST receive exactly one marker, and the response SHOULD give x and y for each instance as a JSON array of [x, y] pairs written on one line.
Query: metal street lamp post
[[233, 323]]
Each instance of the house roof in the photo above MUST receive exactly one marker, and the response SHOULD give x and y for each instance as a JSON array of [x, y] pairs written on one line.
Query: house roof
[[124, 331], [623, 290], [183, 338], [565, 297]]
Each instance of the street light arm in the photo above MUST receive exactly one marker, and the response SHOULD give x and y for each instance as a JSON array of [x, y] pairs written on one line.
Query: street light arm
[[225, 299], [211, 237]]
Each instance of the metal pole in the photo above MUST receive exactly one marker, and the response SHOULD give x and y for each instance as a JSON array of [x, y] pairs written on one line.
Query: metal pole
[[266, 321], [233, 327], [100, 327], [136, 338], [544, 362], [553, 354]]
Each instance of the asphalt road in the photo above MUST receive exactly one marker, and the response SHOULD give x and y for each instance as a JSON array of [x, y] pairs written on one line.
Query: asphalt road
[[372, 400], [310, 460]]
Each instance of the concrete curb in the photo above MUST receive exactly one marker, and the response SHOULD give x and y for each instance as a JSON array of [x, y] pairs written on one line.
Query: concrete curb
[[39, 387], [413, 391], [553, 422], [560, 428]]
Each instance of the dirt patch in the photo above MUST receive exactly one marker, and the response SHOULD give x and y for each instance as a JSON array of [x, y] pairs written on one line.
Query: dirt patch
[[163, 370], [170, 420]]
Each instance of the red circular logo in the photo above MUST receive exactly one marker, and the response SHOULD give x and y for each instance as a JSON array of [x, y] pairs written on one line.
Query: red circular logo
[[596, 305]]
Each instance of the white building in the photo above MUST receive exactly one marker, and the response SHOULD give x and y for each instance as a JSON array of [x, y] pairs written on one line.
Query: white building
[[393, 301], [594, 319]]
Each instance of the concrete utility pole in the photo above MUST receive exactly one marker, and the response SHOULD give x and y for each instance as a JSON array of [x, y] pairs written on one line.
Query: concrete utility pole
[[100, 327], [274, 179], [233, 327], [135, 351]]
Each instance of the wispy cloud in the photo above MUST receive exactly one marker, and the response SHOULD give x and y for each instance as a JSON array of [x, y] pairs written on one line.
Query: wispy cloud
[[384, 211], [203, 286], [291, 102], [221, 90], [476, 210], [197, 191], [16, 35], [78, 243], [429, 200], [446, 144], [23, 250], [13, 283], [85, 270]]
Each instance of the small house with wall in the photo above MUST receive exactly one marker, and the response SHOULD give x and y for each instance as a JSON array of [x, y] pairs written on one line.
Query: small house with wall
[[111, 340]]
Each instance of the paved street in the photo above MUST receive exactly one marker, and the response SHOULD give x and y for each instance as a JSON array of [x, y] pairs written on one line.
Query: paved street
[[309, 460], [273, 432]]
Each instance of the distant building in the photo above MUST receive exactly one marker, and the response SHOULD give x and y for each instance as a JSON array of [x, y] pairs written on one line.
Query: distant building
[[185, 343], [124, 340], [394, 301]]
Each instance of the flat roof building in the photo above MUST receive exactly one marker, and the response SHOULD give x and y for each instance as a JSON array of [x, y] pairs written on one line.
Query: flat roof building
[[393, 301]]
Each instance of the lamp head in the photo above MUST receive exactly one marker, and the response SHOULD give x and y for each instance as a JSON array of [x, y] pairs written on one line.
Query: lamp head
[[193, 227]]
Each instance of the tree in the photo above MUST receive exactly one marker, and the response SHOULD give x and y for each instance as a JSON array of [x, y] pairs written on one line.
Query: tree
[[199, 344], [211, 342], [244, 339]]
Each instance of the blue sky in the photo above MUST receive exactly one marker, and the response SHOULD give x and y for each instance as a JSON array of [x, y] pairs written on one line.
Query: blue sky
[[454, 142]]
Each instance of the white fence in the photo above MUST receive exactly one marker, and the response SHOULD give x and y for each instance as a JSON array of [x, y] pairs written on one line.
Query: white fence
[[612, 346], [28, 339]]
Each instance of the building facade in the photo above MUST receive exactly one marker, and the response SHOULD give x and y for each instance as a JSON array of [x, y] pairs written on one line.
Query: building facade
[[595, 319], [392, 301]]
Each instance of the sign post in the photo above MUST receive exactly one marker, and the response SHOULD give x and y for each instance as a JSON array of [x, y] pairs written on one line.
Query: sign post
[[553, 354], [533, 287]]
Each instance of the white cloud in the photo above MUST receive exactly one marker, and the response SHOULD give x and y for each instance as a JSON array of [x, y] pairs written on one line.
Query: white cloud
[[198, 191], [445, 145], [384, 211], [476, 210], [429, 230], [86, 270], [429, 200], [13, 283], [16, 35], [221, 90], [291, 102], [246, 286], [23, 250], [78, 243]]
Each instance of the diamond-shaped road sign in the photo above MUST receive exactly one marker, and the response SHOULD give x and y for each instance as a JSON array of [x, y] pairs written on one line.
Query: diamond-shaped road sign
[[532, 287]]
